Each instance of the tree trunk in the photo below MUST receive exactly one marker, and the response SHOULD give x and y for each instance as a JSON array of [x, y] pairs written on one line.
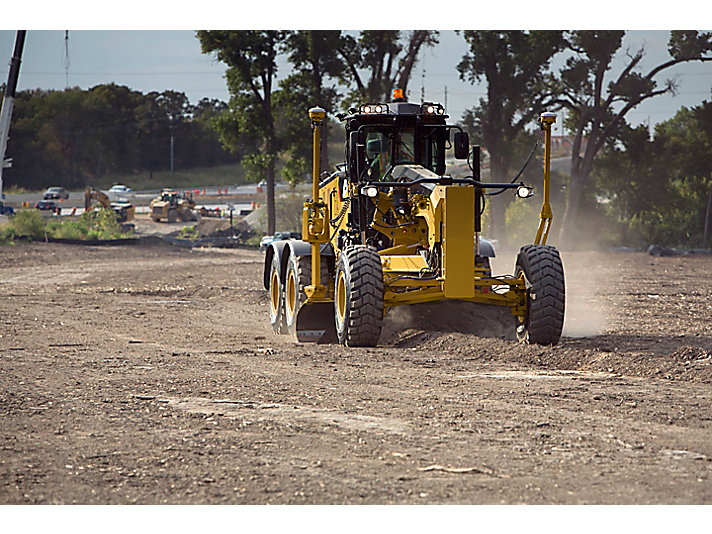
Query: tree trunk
[[569, 223], [708, 212]]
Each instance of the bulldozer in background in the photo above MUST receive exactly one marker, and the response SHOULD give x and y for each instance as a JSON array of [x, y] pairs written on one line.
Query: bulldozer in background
[[125, 211], [391, 228], [171, 206]]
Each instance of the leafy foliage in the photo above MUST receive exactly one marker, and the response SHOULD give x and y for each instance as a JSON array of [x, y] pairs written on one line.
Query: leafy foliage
[[251, 59], [24, 224], [598, 110], [515, 65], [75, 137], [29, 224], [658, 190]]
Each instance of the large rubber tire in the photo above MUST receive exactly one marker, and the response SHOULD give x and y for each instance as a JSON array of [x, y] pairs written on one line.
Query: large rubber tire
[[358, 297], [187, 215], [276, 298], [298, 276], [546, 299], [172, 216]]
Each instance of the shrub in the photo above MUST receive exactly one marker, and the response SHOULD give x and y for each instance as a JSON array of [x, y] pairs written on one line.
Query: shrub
[[189, 232], [26, 223]]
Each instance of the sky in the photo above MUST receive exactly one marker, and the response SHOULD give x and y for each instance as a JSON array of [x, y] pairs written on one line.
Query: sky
[[159, 59]]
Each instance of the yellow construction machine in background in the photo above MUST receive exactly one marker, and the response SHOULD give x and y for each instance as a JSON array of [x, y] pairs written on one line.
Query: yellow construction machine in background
[[171, 206], [391, 228], [125, 211]]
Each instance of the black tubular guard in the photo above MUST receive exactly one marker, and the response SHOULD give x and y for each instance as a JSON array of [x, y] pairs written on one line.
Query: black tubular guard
[[273, 248]]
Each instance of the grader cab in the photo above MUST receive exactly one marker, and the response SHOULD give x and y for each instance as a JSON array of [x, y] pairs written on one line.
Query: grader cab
[[390, 228]]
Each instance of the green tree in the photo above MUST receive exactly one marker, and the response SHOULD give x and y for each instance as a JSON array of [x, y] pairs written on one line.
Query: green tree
[[250, 56], [598, 109], [515, 66], [74, 137], [316, 67], [174, 108], [148, 117], [659, 190], [380, 60]]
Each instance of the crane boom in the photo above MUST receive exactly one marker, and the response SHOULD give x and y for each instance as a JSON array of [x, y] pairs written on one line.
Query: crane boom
[[8, 102]]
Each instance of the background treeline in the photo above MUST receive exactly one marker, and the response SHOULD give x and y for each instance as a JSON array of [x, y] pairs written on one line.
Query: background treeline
[[77, 137]]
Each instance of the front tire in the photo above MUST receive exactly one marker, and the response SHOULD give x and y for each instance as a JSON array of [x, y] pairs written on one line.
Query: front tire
[[358, 297], [543, 272]]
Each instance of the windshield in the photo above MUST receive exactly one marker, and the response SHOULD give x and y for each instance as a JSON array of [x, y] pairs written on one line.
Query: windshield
[[386, 147]]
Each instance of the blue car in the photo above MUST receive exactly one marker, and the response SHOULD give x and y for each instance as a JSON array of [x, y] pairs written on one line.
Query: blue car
[[6, 210]]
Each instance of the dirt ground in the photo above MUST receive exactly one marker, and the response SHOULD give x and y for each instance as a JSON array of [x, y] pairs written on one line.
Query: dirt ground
[[149, 374]]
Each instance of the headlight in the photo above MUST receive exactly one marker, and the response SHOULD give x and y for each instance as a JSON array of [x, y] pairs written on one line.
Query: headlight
[[430, 108], [373, 108], [370, 191], [524, 191]]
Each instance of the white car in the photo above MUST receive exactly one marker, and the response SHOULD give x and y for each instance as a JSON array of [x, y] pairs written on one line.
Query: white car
[[118, 191]]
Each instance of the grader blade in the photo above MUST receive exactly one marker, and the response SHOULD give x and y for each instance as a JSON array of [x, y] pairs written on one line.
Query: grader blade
[[315, 323]]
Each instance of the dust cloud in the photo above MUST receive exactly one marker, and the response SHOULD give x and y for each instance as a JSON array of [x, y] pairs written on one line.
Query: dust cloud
[[586, 314]]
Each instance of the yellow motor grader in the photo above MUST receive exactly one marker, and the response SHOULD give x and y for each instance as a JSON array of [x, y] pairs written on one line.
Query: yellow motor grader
[[391, 228]]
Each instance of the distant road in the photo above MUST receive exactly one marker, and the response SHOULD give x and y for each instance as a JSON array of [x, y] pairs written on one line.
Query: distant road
[[143, 198]]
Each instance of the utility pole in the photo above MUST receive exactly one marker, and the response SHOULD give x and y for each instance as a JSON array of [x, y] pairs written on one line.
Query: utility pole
[[8, 102], [65, 60]]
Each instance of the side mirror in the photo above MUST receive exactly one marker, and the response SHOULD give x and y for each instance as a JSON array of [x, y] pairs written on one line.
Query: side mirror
[[462, 145]]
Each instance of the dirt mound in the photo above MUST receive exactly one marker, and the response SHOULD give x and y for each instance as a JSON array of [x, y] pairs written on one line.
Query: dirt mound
[[410, 322], [208, 227], [221, 228]]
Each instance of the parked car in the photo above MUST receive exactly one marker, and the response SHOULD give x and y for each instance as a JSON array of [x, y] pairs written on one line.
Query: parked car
[[278, 236], [46, 205], [120, 191], [6, 210], [56, 193]]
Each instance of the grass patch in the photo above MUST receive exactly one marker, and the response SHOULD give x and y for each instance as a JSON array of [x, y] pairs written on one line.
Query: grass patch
[[29, 224], [181, 179]]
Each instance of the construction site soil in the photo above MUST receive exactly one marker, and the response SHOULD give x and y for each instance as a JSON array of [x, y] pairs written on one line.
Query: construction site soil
[[149, 374]]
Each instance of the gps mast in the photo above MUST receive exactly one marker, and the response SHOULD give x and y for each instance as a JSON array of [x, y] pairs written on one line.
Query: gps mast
[[8, 102]]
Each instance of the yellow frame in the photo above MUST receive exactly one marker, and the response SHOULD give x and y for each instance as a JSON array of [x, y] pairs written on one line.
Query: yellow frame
[[429, 219]]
